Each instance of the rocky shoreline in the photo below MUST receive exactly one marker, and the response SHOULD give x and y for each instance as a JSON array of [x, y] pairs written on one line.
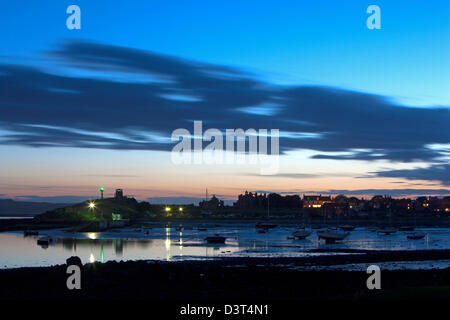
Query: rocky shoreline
[[233, 279]]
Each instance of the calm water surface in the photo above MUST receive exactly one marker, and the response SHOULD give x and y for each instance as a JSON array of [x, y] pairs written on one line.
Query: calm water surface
[[165, 243]]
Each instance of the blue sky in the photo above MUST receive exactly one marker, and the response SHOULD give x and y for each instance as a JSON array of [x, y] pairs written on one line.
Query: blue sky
[[315, 52], [319, 42]]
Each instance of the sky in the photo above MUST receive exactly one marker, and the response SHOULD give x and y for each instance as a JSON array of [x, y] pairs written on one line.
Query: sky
[[360, 111]]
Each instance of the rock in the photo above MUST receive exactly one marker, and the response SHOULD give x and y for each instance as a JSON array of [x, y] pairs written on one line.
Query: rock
[[74, 260]]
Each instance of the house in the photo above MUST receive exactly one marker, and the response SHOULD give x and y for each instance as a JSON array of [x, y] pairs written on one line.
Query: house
[[316, 201]]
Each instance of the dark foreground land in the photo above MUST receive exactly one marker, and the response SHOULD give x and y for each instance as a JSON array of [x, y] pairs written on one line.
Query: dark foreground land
[[233, 280]]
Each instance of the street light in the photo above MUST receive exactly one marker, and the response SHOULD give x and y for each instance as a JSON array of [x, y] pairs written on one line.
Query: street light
[[167, 209], [180, 209], [91, 205]]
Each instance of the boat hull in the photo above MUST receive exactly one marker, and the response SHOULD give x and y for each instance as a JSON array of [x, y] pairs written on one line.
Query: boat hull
[[215, 239], [331, 237]]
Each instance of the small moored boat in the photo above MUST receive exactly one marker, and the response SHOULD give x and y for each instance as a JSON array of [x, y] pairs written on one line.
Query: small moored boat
[[215, 239], [387, 230], [406, 228], [45, 240], [301, 234], [331, 236], [265, 225], [415, 236], [347, 227]]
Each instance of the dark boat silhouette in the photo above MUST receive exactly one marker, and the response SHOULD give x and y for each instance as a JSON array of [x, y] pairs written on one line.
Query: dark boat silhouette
[[415, 236], [387, 230], [406, 228], [265, 225], [215, 239], [45, 240], [301, 234], [331, 236]]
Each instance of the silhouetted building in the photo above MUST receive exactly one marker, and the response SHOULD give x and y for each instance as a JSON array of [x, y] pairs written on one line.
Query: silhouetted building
[[213, 203], [119, 194]]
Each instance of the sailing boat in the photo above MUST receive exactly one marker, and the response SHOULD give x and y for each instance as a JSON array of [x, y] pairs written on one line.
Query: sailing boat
[[332, 234], [265, 226], [301, 234], [389, 229], [415, 235]]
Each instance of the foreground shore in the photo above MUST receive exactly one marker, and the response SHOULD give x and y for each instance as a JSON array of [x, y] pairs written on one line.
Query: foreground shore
[[234, 279]]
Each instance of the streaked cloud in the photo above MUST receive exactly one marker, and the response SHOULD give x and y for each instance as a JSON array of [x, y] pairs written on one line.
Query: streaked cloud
[[109, 97]]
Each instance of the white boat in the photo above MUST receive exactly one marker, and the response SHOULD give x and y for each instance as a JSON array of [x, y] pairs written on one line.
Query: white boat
[[301, 234], [331, 236]]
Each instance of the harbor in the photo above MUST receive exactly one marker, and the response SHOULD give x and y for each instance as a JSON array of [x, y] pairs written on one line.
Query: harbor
[[175, 241]]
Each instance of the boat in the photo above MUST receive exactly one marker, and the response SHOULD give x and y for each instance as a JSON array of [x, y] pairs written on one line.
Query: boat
[[372, 229], [30, 233], [415, 236], [387, 231], [347, 227], [406, 228], [262, 230], [331, 236], [316, 227], [215, 239], [301, 234], [146, 232], [202, 229], [265, 225], [45, 240]]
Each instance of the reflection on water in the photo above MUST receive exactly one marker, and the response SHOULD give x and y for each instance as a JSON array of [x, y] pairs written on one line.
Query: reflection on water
[[166, 243]]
